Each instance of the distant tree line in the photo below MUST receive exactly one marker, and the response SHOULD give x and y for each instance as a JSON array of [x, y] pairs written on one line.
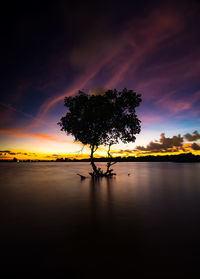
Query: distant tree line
[[184, 157]]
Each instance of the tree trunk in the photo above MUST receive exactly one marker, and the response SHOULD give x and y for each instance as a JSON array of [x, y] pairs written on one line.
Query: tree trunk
[[92, 160], [110, 163], [98, 172]]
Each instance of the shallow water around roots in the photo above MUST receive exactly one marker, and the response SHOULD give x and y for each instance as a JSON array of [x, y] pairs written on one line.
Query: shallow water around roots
[[54, 223]]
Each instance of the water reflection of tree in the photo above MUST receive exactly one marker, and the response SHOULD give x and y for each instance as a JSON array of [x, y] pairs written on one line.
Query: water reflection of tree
[[114, 228], [101, 201]]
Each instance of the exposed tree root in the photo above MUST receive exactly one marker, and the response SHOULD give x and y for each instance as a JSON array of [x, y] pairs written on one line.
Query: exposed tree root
[[100, 173], [81, 176]]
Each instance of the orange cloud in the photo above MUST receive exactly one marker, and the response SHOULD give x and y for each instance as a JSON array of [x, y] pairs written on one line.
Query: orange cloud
[[19, 133]]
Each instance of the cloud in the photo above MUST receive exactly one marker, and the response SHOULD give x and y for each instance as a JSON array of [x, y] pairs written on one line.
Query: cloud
[[192, 137], [195, 146], [183, 103], [149, 117], [144, 37], [8, 152], [18, 133], [164, 144], [129, 151], [171, 144], [123, 58], [9, 110], [145, 53], [80, 82]]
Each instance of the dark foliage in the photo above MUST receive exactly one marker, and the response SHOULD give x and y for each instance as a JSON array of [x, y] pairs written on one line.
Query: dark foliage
[[102, 120]]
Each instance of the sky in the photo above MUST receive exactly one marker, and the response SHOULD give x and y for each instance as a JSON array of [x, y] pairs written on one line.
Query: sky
[[52, 50]]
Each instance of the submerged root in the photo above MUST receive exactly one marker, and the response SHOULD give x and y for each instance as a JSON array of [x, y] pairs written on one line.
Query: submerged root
[[99, 173]]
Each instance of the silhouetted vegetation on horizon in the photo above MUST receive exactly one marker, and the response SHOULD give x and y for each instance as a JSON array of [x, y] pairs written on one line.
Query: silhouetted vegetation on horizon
[[184, 157]]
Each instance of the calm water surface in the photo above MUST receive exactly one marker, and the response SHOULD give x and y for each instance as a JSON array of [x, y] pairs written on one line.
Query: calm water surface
[[52, 222]]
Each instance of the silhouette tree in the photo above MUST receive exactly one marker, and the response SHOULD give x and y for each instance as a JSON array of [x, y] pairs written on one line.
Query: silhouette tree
[[96, 120]]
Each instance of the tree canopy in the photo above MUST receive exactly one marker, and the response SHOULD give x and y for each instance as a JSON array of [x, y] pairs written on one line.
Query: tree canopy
[[102, 119]]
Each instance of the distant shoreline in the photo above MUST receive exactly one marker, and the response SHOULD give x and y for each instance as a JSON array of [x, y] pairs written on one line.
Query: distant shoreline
[[181, 158]]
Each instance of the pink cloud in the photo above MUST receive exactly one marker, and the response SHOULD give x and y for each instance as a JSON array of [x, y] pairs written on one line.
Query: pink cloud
[[81, 82], [174, 105], [127, 63], [150, 118], [150, 31], [144, 36]]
